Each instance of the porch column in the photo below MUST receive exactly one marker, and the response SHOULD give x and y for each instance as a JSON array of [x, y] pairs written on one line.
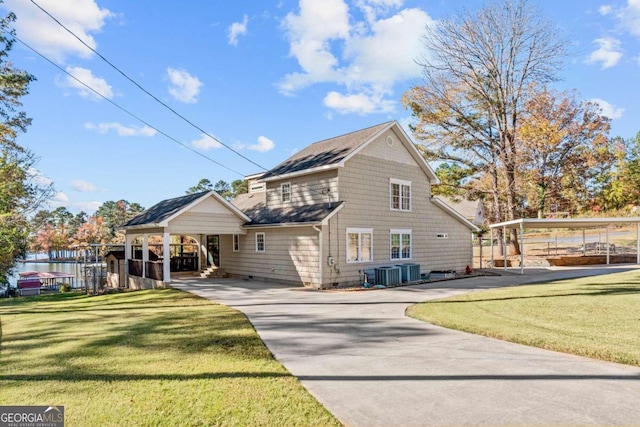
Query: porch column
[[128, 238], [145, 254], [166, 257]]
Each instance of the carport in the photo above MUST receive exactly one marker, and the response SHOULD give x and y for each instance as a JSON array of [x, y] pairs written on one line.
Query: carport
[[523, 224]]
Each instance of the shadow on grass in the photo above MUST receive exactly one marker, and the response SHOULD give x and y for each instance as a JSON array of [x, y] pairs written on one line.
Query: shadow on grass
[[632, 290], [85, 376], [157, 323]]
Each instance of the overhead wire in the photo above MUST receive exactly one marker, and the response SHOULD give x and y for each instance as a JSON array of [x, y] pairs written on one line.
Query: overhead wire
[[139, 86], [172, 110], [121, 108]]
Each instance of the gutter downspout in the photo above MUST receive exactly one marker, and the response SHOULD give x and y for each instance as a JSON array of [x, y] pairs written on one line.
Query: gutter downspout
[[320, 254]]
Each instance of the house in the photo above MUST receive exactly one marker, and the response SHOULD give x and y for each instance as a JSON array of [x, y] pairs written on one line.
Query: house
[[473, 210], [323, 217]]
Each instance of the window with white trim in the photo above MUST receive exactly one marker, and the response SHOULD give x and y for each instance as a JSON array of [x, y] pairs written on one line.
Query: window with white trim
[[400, 244], [236, 243], [400, 195], [359, 244], [285, 192], [260, 242]]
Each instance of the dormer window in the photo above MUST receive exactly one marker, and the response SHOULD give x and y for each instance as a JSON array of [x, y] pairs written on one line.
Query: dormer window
[[400, 195], [285, 192]]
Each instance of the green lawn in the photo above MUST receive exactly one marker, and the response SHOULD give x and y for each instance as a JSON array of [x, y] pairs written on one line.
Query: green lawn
[[597, 317], [161, 358]]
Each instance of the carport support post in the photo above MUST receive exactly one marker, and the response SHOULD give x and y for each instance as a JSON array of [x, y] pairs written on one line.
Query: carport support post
[[491, 243], [607, 245], [504, 245], [584, 244], [522, 248], [166, 258], [638, 243]]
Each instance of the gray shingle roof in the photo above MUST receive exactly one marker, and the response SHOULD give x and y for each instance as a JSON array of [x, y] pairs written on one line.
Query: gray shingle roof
[[324, 153], [260, 215], [163, 210]]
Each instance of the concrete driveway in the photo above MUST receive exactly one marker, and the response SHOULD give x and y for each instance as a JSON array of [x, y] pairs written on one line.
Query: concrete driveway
[[370, 365]]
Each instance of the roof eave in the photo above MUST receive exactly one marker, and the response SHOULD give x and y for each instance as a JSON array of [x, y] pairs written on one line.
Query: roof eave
[[301, 172], [283, 224]]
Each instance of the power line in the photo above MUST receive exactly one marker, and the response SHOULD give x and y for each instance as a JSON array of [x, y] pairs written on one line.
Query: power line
[[146, 91], [125, 110], [321, 192]]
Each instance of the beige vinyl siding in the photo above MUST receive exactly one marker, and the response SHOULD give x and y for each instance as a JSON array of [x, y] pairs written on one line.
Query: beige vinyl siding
[[206, 223], [291, 255], [305, 190], [364, 185]]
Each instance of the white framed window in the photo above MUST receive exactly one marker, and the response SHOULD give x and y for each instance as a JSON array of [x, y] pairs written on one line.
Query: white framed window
[[400, 244], [260, 242], [400, 195], [285, 192], [236, 243], [359, 245]]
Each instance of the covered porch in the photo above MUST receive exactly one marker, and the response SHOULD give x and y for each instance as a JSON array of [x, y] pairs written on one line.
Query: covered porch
[[178, 235]]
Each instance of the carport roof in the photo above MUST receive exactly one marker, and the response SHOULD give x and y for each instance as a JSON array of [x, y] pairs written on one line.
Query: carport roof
[[566, 222]]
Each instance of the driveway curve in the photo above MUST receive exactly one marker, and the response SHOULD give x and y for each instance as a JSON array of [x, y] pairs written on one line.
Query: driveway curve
[[370, 365]]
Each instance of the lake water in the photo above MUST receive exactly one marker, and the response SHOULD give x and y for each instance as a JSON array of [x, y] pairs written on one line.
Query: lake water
[[70, 268]]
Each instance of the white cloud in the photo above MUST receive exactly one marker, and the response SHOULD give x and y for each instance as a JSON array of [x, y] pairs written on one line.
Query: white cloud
[[183, 86], [605, 10], [331, 47], [629, 17], [264, 144], [37, 177], [238, 29], [60, 197], [85, 187], [608, 110], [85, 76], [608, 53], [121, 130], [310, 33], [82, 17], [357, 103], [206, 143]]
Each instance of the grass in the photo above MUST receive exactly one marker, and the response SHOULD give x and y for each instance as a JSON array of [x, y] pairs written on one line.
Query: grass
[[160, 357], [596, 317]]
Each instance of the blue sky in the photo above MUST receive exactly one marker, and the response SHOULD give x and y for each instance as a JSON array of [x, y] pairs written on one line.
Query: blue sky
[[266, 78]]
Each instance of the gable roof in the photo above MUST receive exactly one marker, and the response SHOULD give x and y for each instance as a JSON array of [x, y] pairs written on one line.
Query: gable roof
[[296, 215], [454, 213], [334, 152], [472, 210], [161, 213]]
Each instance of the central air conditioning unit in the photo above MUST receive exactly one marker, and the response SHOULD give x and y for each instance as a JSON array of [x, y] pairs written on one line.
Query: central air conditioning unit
[[410, 272], [388, 276]]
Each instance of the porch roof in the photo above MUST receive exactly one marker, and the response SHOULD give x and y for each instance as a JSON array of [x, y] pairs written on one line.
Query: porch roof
[[161, 213]]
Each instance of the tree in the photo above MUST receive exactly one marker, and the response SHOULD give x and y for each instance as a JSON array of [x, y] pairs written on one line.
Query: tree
[[203, 185], [452, 178], [224, 189], [478, 67], [115, 214], [239, 186], [621, 186], [564, 144], [20, 192]]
